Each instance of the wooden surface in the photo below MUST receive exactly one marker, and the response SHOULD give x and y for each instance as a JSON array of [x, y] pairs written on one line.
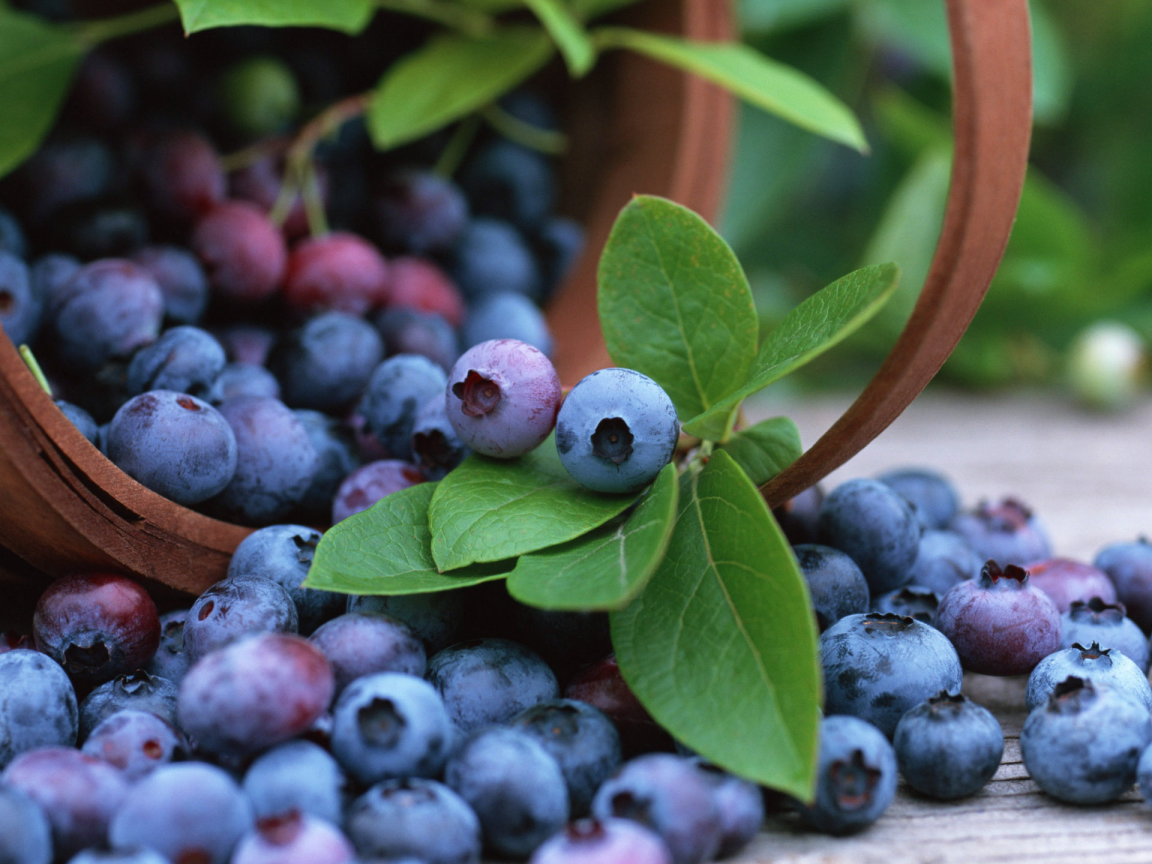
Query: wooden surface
[[1087, 476]]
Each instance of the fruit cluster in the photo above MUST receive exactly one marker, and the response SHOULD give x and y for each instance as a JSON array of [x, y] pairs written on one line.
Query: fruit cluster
[[261, 335]]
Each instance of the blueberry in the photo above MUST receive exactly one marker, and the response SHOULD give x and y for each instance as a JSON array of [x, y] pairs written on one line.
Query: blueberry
[[740, 804], [1129, 566], [435, 618], [1000, 624], [181, 175], [175, 444], [78, 793], [419, 211], [136, 742], [558, 243], [490, 256], [1084, 744], [1007, 532], [835, 583], [187, 812], [296, 776], [1097, 621], [1116, 672], [855, 776], [602, 686], [670, 795], [607, 841], [339, 271], [506, 315], [109, 227], [294, 838], [943, 559], [1143, 776], [337, 457], [915, 601], [186, 359], [508, 181], [419, 285], [878, 666], [515, 787], [948, 746], [50, 273], [243, 379], [390, 725], [283, 553], [797, 516], [12, 238], [38, 708], [436, 448], [254, 693], [170, 661], [412, 331], [397, 389], [502, 398], [364, 643], [582, 740], [275, 462], [931, 494], [138, 690], [371, 482], [233, 607], [243, 253], [414, 817], [80, 418], [616, 430], [485, 681], [1065, 581], [326, 364], [182, 281], [96, 625], [134, 855], [20, 308], [25, 834], [876, 527]]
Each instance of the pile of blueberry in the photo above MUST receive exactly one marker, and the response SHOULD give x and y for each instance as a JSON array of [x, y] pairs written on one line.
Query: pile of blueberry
[[260, 346]]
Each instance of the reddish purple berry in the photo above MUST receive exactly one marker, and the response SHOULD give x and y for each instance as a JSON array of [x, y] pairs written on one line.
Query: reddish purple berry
[[1129, 566], [417, 283], [97, 625], [340, 271], [182, 176], [1000, 624], [243, 252], [370, 483], [363, 643], [136, 742], [1067, 581]]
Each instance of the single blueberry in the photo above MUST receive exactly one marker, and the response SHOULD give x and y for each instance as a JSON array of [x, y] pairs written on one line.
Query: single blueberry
[[932, 495], [835, 583], [138, 691], [1100, 665], [943, 559], [414, 817], [855, 776], [876, 527], [948, 746], [326, 364], [1105, 623], [434, 617], [25, 834], [185, 359], [1129, 566], [1007, 532], [296, 776], [506, 315], [396, 390]]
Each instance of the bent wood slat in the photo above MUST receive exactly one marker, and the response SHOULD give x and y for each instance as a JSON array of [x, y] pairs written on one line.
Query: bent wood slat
[[992, 123]]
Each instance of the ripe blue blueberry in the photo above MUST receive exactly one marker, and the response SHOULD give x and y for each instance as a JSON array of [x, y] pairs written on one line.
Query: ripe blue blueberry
[[414, 817], [915, 601], [397, 389], [80, 418], [233, 607], [39, 707], [20, 308], [943, 559], [740, 803], [185, 359], [326, 364], [296, 776], [1105, 623], [25, 835], [336, 457], [182, 281], [948, 746], [616, 429], [1007, 532], [1100, 665], [491, 255], [419, 211], [175, 444], [170, 661], [932, 495], [835, 583], [502, 398], [243, 379], [136, 742], [506, 315], [138, 691], [855, 776], [509, 181], [416, 331], [364, 643], [435, 617], [1129, 566], [878, 666], [876, 527], [514, 786], [1084, 744]]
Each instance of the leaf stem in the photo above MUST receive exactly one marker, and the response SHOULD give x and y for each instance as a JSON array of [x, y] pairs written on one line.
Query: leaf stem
[[456, 16], [456, 149], [95, 32], [34, 367], [533, 137], [313, 201]]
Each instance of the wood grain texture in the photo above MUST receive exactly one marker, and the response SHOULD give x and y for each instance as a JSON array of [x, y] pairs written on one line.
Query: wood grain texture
[[992, 119]]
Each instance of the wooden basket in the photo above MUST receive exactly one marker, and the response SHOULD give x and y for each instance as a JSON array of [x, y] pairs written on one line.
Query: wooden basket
[[64, 506]]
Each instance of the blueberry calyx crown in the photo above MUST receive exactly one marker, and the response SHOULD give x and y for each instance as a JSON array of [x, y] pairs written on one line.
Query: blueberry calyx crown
[[853, 781], [585, 831], [946, 704], [380, 723], [1072, 695], [887, 622], [1096, 611], [1010, 577], [1094, 652], [612, 440], [281, 829], [1009, 516], [478, 394], [918, 602], [135, 682], [433, 449], [86, 653]]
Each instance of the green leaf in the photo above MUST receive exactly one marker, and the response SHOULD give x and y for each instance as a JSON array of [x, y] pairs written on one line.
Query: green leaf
[[567, 32], [37, 61], [386, 549], [777, 88], [350, 16], [492, 509], [589, 9], [809, 330], [764, 450], [720, 646], [607, 567], [675, 305], [450, 77], [759, 17]]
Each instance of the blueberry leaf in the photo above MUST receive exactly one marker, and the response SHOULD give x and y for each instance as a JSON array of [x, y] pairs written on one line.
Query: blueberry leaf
[[675, 304], [350, 16], [449, 77], [720, 646], [765, 83], [492, 509], [37, 62], [607, 567], [567, 32], [764, 450], [387, 550], [810, 329]]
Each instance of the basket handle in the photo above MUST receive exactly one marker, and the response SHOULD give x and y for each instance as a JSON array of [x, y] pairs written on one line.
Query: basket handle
[[992, 123]]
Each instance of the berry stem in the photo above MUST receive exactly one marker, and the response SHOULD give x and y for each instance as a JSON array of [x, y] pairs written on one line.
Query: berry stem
[[533, 137], [457, 147], [34, 366], [95, 32], [313, 201]]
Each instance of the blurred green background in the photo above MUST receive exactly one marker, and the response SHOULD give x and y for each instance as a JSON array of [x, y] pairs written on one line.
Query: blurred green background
[[802, 211]]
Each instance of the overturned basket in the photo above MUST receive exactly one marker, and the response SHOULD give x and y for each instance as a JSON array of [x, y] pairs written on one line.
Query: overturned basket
[[64, 506]]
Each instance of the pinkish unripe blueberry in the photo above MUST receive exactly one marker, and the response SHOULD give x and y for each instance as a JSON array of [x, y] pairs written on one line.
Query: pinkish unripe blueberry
[[1067, 581]]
